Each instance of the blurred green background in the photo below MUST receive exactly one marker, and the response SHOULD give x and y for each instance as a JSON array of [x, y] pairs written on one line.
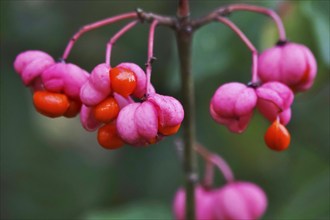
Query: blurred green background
[[53, 169]]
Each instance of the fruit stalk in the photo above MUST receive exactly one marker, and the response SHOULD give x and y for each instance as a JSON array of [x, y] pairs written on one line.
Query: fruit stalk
[[115, 38], [93, 26], [211, 160], [247, 42], [272, 14], [150, 54]]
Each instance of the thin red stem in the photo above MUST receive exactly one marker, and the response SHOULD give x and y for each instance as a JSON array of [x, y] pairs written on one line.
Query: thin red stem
[[223, 167], [255, 77], [248, 44], [217, 161], [209, 174], [93, 26], [262, 10], [238, 32], [115, 38], [150, 54]]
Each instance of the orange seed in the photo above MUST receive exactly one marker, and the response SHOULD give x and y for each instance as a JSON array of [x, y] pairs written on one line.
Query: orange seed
[[50, 104], [277, 137], [122, 81], [107, 110], [108, 138]]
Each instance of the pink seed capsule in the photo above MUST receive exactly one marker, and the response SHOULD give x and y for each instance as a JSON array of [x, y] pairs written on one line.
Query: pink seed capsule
[[170, 113], [145, 123], [64, 77], [146, 120], [97, 87], [239, 200], [30, 65], [204, 204], [290, 63], [232, 105], [130, 128], [275, 99]]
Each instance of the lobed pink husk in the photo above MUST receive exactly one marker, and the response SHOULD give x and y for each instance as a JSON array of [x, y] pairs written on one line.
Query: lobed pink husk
[[137, 124], [232, 105], [234, 201], [87, 119], [204, 204], [126, 127], [64, 77], [146, 120], [170, 111], [97, 87], [239, 200], [275, 99], [121, 100], [292, 64], [30, 65]]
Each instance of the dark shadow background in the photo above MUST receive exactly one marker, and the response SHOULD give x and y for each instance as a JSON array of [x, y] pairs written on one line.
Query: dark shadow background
[[53, 169]]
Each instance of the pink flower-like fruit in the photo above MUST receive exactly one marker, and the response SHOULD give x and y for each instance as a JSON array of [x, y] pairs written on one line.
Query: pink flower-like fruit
[[129, 129], [275, 99], [204, 203], [170, 113], [290, 63], [239, 200], [30, 65], [232, 105], [140, 76], [144, 123], [234, 201], [97, 87], [64, 78]]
